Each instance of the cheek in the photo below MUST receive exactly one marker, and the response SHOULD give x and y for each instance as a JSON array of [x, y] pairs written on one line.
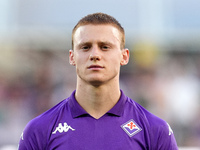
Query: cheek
[[117, 60], [78, 59], [115, 64], [80, 64]]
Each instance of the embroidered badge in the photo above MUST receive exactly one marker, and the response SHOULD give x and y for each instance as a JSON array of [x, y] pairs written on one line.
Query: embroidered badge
[[131, 127]]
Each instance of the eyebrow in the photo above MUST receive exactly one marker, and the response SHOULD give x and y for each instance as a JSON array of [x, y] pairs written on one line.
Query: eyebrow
[[106, 43], [83, 43]]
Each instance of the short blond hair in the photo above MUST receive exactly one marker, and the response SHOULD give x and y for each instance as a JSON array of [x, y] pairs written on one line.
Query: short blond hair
[[99, 19]]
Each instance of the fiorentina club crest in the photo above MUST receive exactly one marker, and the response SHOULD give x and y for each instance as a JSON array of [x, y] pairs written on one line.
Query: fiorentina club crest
[[131, 127]]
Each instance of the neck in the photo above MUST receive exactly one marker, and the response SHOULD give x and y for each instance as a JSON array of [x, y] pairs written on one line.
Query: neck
[[97, 100]]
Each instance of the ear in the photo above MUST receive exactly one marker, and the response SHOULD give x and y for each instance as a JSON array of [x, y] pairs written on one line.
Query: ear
[[71, 58], [125, 57]]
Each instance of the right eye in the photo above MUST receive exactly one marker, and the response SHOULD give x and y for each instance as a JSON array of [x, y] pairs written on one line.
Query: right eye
[[85, 47]]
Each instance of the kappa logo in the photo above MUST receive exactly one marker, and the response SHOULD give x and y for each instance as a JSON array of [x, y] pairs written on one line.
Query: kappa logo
[[131, 127], [170, 130], [63, 128], [22, 136]]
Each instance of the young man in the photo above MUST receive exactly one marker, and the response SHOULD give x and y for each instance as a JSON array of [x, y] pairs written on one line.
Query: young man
[[97, 115]]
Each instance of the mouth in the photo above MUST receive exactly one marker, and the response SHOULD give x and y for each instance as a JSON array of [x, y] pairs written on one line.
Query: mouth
[[95, 67]]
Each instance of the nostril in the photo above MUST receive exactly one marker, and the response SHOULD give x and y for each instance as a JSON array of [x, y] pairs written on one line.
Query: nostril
[[95, 57]]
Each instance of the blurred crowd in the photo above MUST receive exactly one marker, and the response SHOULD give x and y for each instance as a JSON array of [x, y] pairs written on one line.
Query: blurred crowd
[[166, 82]]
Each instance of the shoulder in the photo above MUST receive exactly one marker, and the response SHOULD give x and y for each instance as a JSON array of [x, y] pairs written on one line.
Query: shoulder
[[159, 131], [48, 116], [150, 119], [37, 131]]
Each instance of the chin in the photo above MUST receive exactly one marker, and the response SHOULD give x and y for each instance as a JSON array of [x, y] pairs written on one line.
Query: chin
[[96, 83]]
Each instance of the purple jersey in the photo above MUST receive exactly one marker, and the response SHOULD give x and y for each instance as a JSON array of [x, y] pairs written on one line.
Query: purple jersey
[[67, 126]]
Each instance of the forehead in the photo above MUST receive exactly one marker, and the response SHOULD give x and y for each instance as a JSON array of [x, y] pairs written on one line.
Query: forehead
[[97, 32]]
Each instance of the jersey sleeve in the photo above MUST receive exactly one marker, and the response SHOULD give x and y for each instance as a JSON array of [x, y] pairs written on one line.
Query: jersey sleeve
[[164, 138], [32, 137]]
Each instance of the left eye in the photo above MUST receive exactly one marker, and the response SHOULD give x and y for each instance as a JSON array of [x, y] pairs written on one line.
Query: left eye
[[104, 47], [85, 47]]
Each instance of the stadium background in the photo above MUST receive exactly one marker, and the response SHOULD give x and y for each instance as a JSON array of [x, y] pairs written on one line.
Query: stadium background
[[163, 74]]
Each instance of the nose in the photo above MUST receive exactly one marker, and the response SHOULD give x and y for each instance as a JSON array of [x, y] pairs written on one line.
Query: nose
[[94, 56]]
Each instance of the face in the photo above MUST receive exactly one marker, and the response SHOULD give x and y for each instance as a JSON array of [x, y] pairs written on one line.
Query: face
[[97, 54]]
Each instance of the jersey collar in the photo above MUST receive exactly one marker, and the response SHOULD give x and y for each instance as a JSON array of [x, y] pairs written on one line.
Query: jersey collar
[[78, 111]]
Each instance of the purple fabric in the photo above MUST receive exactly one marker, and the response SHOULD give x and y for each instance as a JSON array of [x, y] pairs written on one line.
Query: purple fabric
[[67, 126]]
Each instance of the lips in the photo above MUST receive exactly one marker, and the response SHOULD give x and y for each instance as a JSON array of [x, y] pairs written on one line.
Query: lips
[[95, 67]]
